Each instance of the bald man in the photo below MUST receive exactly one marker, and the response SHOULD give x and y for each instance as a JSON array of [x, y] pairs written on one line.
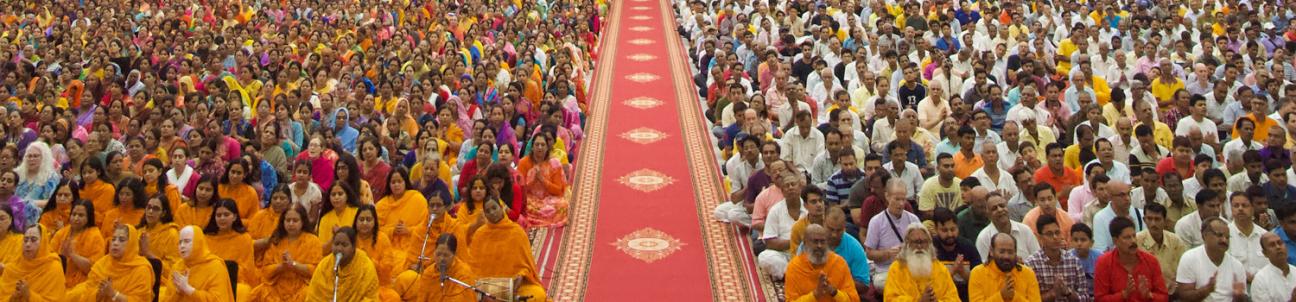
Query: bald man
[[847, 247], [1120, 206], [1003, 278], [818, 274]]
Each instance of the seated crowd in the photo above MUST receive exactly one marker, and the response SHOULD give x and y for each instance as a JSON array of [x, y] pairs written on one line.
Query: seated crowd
[[948, 150], [249, 150]]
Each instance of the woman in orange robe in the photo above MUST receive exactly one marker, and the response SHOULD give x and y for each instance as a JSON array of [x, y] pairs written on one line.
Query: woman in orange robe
[[122, 276], [11, 238], [238, 187], [470, 208], [339, 211], [58, 211], [80, 242], [94, 188], [500, 248], [290, 259], [444, 224], [128, 206], [160, 234], [376, 244], [542, 176], [264, 223], [198, 209], [401, 214], [199, 275], [38, 275], [228, 238], [427, 285], [357, 279], [155, 181]]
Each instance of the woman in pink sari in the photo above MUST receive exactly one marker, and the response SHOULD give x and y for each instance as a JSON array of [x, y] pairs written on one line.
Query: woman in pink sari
[[322, 161], [545, 185]]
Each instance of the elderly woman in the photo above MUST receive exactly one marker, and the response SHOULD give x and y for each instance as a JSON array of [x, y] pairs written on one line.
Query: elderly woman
[[37, 175]]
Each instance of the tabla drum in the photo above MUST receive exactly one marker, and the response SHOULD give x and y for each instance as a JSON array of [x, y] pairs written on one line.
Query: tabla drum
[[500, 288]]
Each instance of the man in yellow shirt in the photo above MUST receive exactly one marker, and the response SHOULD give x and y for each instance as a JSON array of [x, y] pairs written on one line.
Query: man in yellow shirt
[[1165, 85], [1003, 278], [1161, 132]]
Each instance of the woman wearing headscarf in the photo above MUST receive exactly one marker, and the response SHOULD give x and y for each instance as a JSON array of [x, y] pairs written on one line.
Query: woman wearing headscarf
[[355, 275], [343, 131], [199, 275], [122, 276], [37, 175], [37, 276]]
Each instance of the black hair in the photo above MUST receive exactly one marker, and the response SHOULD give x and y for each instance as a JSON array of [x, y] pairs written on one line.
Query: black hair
[[280, 232], [1080, 227], [352, 199], [1119, 224], [1045, 220], [229, 205], [364, 208], [52, 205], [138, 200], [168, 215]]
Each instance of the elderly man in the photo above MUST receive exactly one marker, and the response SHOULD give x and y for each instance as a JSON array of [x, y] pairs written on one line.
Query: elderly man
[[1060, 276], [818, 274], [1208, 272], [884, 239], [1127, 273], [777, 233], [917, 275], [1003, 278], [1119, 206], [1274, 282], [1000, 223]]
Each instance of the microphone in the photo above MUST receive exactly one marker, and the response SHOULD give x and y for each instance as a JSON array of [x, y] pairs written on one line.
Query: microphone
[[337, 260], [337, 264]]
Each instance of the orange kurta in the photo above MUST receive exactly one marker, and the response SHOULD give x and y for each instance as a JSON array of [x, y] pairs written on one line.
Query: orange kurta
[[171, 192], [379, 253], [284, 284], [89, 243], [429, 288], [207, 275], [131, 274], [410, 209], [100, 194], [261, 225], [502, 249], [443, 224], [164, 242], [125, 214], [237, 247], [56, 219], [187, 215], [43, 275], [333, 219], [358, 280], [10, 247], [243, 195], [803, 277]]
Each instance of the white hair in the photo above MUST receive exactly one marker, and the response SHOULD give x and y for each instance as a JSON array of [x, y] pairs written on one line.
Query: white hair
[[46, 169], [918, 260]]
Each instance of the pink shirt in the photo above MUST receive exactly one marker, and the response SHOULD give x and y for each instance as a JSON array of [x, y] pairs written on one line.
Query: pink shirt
[[764, 201]]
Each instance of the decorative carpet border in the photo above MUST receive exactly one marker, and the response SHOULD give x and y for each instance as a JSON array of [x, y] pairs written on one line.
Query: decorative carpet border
[[729, 279], [571, 272]]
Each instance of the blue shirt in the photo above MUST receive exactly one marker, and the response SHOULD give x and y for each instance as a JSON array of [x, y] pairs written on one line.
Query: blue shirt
[[839, 186], [1291, 245], [850, 250], [1088, 262]]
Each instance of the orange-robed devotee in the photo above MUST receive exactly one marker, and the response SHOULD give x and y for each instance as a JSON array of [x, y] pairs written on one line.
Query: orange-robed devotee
[[803, 274], [500, 248], [426, 286], [287, 264], [130, 274], [402, 214], [85, 241], [357, 277], [38, 267], [208, 278], [228, 239], [99, 192]]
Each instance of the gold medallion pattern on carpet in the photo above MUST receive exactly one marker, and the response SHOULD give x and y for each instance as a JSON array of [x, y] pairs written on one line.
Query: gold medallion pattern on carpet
[[642, 77], [641, 28], [643, 135], [642, 42], [643, 102], [648, 244], [646, 180], [641, 57]]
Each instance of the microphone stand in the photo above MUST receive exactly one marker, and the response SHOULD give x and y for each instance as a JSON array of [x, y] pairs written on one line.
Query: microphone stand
[[427, 233], [337, 264], [481, 294]]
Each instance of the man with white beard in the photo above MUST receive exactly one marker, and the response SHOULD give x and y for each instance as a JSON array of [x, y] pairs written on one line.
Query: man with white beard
[[818, 274], [916, 275]]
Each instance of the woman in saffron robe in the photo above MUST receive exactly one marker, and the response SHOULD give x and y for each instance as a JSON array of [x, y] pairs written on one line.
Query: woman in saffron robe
[[438, 206], [38, 275], [199, 276], [470, 207], [376, 244], [427, 285], [542, 176], [339, 211], [357, 279], [197, 210], [155, 182], [403, 214], [10, 238], [262, 225], [80, 242], [500, 248], [228, 238], [57, 211], [290, 259], [237, 186], [373, 167], [122, 276], [96, 189], [128, 206], [160, 235]]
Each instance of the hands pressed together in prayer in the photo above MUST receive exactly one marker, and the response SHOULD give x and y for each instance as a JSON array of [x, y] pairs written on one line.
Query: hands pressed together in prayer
[[825, 289]]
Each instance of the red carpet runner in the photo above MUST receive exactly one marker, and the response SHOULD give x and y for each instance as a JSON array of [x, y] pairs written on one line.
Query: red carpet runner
[[647, 180]]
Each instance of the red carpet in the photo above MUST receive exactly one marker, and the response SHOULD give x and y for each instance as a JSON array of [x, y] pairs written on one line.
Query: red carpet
[[647, 180]]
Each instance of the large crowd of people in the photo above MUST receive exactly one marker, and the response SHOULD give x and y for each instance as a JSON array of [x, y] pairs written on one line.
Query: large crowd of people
[[947, 150], [286, 150]]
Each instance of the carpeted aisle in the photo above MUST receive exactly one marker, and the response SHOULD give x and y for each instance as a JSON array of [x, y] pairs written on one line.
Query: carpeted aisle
[[646, 180]]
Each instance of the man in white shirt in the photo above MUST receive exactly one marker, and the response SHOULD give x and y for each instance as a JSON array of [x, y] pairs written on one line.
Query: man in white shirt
[[1188, 228], [1274, 282], [1234, 149], [900, 168], [1027, 244], [802, 142], [778, 226], [1207, 272], [1244, 235], [740, 168], [1197, 119]]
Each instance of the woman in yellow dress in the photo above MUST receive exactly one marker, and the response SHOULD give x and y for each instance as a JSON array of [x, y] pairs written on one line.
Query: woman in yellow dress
[[500, 248], [237, 186], [339, 211], [402, 214], [355, 276], [38, 275], [160, 234], [199, 275], [122, 276], [376, 244], [348, 172], [80, 242], [197, 209], [290, 259], [228, 238], [155, 182], [57, 212], [10, 238], [128, 206], [96, 189]]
